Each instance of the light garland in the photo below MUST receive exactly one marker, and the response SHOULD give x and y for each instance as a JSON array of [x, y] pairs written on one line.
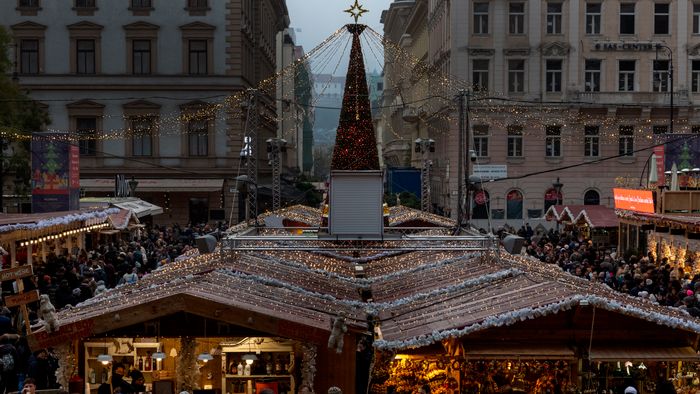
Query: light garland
[[64, 234]]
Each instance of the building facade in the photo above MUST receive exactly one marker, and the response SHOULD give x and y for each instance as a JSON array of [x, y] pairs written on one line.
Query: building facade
[[148, 87], [550, 86], [294, 104]]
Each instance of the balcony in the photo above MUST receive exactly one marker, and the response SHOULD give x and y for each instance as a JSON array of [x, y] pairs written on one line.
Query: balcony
[[680, 98]]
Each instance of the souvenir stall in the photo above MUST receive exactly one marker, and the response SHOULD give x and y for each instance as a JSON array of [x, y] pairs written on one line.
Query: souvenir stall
[[223, 322], [595, 222], [674, 237], [28, 237], [520, 326]]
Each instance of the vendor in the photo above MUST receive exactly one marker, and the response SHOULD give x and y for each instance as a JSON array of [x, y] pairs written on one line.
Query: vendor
[[118, 384], [137, 382]]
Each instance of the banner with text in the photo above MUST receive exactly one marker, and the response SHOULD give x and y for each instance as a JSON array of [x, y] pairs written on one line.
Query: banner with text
[[634, 200]]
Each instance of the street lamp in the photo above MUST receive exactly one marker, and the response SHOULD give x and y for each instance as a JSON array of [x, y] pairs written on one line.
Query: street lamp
[[660, 47]]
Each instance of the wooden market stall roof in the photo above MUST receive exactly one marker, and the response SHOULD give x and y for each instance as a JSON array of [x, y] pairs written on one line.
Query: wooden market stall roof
[[122, 219], [596, 216], [248, 290], [472, 294], [418, 298]]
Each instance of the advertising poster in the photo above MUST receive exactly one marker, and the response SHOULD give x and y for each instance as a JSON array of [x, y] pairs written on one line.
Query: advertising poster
[[684, 151], [55, 173]]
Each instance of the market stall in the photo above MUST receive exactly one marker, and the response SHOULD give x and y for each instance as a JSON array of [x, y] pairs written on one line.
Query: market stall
[[595, 222], [675, 238], [30, 236], [454, 313]]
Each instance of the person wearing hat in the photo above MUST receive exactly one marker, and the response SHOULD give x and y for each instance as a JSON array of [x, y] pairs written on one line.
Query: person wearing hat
[[630, 390]]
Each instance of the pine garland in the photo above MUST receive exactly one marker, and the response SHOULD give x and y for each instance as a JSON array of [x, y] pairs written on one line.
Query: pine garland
[[187, 368], [308, 366]]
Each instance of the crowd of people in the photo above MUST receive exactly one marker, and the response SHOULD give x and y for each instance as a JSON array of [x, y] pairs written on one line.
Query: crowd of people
[[639, 275], [70, 277]]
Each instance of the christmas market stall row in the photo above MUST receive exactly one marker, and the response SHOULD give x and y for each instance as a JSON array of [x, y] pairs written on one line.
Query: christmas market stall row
[[300, 313], [670, 231], [30, 238]]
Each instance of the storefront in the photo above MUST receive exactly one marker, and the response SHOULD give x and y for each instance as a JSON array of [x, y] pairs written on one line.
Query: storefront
[[224, 364]]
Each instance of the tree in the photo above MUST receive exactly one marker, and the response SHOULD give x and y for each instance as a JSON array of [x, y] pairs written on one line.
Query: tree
[[19, 116], [685, 157]]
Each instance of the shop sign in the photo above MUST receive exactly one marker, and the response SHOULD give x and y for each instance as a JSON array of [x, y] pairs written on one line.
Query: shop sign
[[16, 273], [634, 200], [624, 46], [660, 165], [489, 172], [66, 333], [22, 299]]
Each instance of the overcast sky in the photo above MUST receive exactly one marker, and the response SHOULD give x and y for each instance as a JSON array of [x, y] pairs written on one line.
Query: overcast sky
[[318, 19]]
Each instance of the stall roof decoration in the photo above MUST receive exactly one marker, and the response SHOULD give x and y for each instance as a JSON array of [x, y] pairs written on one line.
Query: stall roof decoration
[[399, 216], [40, 221], [420, 298], [596, 216]]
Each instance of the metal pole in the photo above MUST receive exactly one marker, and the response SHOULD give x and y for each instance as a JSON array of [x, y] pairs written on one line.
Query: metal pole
[[250, 143], [425, 176], [461, 163], [670, 81], [2, 173], [275, 146]]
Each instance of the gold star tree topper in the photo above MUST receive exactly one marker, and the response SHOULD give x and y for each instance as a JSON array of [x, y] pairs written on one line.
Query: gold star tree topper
[[356, 10]]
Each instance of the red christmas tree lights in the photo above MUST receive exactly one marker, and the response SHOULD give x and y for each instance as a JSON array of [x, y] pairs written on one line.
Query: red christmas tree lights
[[355, 142]]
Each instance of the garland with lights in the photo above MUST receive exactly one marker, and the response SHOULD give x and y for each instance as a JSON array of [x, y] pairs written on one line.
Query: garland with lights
[[67, 364], [187, 368], [308, 367]]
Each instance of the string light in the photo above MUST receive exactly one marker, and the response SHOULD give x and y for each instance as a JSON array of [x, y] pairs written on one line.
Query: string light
[[64, 234]]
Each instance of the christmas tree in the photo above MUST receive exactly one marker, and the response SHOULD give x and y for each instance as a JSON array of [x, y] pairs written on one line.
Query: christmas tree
[[685, 157], [355, 142], [51, 165]]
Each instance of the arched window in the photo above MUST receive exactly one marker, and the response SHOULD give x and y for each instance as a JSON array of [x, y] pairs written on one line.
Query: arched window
[[480, 205], [551, 197], [591, 197], [514, 205]]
